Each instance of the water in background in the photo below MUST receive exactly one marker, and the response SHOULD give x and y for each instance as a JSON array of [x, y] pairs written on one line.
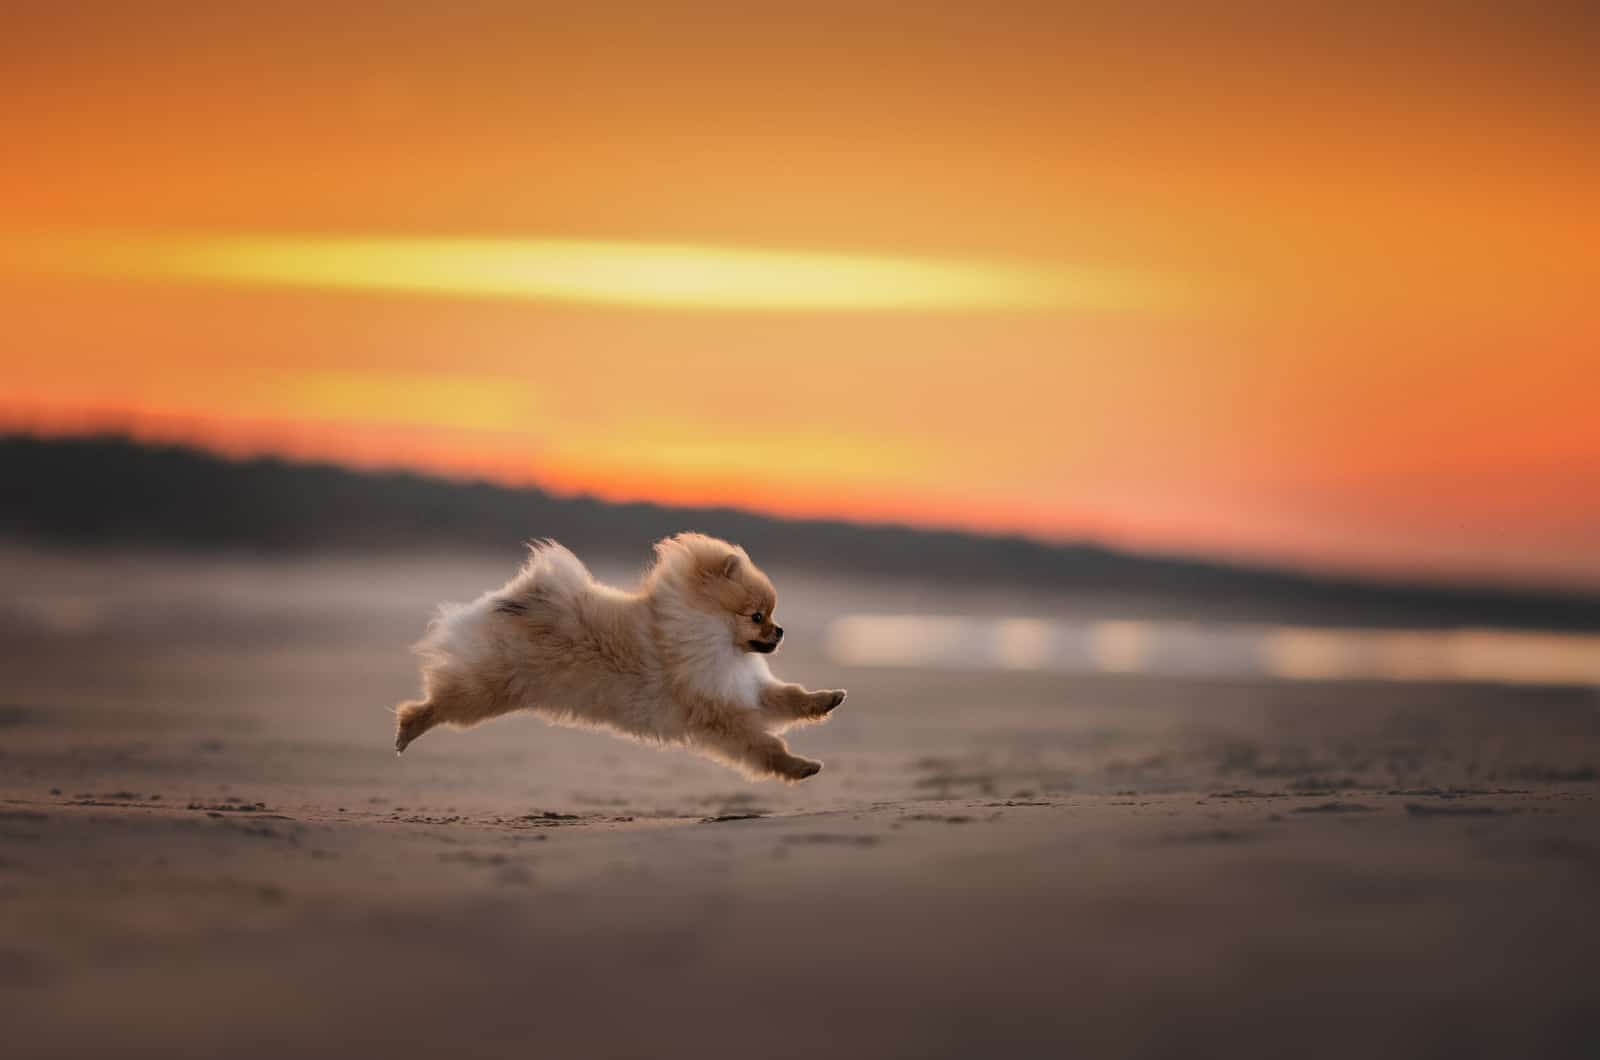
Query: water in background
[[1191, 650]]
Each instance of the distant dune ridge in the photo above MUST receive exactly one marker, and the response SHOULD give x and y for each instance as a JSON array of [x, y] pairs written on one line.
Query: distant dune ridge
[[110, 492]]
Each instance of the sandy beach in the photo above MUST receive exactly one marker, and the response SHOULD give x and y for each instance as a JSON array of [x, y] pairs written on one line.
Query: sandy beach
[[208, 848], [1176, 427]]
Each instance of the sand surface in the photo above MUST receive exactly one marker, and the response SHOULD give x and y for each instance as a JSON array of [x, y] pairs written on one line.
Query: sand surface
[[207, 848]]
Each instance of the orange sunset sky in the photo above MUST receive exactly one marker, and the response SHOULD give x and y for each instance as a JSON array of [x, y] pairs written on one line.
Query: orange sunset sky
[[1282, 282]]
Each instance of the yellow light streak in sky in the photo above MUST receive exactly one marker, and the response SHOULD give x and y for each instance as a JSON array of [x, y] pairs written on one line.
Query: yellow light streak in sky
[[649, 275]]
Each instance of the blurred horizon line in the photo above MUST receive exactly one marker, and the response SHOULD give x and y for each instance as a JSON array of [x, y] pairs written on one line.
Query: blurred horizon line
[[1084, 540]]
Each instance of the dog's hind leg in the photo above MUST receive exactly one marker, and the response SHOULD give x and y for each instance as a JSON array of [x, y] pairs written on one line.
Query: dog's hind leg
[[452, 700]]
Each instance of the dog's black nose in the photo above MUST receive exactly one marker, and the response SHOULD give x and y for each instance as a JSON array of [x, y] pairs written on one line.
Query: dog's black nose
[[777, 632]]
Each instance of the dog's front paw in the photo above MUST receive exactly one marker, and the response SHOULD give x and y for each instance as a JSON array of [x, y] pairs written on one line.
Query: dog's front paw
[[794, 768], [822, 703]]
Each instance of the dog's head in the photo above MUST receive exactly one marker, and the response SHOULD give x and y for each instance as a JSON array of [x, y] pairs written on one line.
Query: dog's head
[[718, 578]]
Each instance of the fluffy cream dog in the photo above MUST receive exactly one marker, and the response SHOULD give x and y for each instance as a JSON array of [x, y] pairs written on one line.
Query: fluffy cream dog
[[681, 661]]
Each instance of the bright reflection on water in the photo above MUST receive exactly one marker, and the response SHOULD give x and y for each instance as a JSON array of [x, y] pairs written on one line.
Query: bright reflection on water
[[1296, 653]]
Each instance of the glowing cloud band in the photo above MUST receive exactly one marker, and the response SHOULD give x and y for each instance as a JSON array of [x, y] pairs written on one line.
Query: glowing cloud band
[[651, 275]]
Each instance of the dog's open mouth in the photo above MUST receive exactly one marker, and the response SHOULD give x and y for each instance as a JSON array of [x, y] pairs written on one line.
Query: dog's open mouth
[[765, 647]]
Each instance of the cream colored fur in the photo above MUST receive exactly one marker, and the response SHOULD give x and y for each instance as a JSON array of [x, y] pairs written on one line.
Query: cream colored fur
[[681, 661]]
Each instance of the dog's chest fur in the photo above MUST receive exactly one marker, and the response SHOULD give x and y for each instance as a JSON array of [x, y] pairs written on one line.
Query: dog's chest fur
[[702, 658]]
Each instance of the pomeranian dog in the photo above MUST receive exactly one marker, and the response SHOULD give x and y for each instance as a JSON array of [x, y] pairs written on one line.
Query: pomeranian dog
[[682, 661]]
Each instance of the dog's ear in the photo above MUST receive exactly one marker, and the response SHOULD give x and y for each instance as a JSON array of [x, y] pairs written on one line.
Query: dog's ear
[[729, 565]]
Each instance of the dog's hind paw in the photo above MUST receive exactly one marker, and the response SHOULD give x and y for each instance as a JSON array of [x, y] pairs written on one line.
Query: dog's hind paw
[[413, 719]]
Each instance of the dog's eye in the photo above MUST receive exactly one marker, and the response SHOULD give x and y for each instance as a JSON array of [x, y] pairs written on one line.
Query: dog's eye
[[758, 617]]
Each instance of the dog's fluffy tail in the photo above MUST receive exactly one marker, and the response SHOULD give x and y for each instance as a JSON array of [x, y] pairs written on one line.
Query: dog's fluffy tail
[[552, 575], [551, 569]]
